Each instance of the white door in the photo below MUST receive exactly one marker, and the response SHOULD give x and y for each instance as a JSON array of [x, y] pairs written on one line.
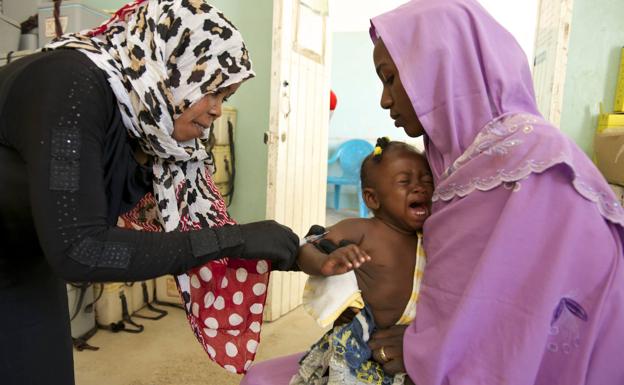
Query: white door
[[551, 56], [297, 136]]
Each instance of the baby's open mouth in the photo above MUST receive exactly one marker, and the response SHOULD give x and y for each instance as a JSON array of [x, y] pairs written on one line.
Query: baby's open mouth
[[419, 209]]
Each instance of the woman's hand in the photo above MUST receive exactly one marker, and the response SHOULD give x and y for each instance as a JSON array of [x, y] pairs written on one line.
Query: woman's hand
[[387, 347], [344, 259], [272, 241]]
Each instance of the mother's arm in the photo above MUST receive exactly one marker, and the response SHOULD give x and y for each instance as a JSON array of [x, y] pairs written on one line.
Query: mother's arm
[[500, 265]]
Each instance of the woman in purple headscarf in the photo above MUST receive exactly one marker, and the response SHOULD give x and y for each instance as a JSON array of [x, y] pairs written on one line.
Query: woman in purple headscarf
[[525, 276]]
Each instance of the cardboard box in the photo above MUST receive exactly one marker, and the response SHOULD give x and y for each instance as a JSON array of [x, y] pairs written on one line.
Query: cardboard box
[[167, 290], [221, 126], [610, 121], [108, 309], [618, 106], [223, 164], [138, 301], [609, 147]]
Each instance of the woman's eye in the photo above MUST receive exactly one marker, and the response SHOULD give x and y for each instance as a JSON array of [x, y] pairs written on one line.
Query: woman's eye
[[427, 179], [388, 80], [404, 181], [225, 99]]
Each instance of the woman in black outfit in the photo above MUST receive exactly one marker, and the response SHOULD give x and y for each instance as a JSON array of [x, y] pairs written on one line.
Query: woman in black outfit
[[73, 122]]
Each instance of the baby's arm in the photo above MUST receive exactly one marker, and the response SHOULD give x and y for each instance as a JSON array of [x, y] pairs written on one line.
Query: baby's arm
[[314, 262]]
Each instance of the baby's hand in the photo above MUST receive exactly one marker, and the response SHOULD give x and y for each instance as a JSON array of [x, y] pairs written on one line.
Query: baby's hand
[[344, 259]]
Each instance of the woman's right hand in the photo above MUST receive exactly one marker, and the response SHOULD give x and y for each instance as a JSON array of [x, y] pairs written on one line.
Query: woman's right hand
[[271, 241]]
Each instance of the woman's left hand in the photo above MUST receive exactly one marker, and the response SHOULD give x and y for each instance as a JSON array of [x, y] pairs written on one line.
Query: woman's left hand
[[387, 347]]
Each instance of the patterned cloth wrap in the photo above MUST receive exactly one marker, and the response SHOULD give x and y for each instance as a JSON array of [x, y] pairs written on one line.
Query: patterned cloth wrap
[[342, 356], [160, 57]]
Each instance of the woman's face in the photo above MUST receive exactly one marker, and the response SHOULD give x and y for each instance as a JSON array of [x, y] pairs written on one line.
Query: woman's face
[[393, 96], [200, 115]]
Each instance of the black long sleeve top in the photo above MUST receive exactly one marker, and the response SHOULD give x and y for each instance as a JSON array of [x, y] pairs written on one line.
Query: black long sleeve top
[[64, 178]]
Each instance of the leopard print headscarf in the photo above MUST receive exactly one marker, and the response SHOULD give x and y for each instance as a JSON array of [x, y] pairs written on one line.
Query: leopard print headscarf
[[161, 57]]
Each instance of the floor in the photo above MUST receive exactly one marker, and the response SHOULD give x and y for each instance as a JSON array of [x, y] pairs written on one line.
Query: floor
[[167, 353]]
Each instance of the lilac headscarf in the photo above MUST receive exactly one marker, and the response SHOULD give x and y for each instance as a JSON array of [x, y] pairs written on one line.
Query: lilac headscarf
[[462, 70], [459, 67], [525, 281]]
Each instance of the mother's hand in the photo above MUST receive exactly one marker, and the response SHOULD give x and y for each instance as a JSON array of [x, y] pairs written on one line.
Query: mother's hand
[[387, 347]]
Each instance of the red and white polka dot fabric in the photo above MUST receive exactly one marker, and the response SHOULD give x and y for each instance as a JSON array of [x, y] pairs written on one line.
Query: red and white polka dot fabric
[[224, 299], [226, 304]]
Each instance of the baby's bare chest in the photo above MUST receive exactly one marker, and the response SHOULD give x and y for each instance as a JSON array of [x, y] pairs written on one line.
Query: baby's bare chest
[[387, 280]]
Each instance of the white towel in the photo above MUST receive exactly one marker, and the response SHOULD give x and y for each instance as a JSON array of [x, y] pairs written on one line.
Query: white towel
[[325, 298]]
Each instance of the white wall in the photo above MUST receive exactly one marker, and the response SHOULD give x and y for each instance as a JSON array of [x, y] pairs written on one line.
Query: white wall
[[519, 17], [355, 15]]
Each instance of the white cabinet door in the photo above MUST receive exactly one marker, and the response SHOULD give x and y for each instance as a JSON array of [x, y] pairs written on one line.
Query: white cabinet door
[[551, 56], [297, 136]]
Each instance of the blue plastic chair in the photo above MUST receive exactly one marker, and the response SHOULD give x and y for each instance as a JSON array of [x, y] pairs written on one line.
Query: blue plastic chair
[[349, 156]]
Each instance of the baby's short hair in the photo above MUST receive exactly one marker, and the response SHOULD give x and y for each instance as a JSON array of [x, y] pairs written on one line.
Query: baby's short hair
[[383, 145]]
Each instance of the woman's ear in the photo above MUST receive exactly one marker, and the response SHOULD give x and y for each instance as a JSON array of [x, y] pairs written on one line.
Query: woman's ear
[[370, 198]]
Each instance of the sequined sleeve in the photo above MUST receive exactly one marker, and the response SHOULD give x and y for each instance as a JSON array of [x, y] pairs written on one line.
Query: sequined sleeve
[[62, 107]]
